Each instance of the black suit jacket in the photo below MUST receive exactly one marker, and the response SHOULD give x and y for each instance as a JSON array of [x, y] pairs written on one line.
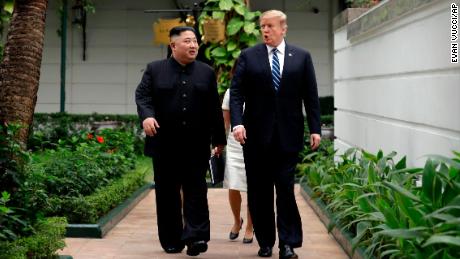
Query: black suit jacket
[[265, 108], [186, 105]]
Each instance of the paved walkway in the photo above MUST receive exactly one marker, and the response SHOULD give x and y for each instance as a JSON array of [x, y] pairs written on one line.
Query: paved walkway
[[135, 237]]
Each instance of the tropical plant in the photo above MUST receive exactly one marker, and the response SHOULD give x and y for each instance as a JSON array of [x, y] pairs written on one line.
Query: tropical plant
[[389, 210], [241, 32]]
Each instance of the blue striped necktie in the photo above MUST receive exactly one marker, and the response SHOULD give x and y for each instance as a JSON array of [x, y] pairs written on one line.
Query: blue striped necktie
[[276, 70]]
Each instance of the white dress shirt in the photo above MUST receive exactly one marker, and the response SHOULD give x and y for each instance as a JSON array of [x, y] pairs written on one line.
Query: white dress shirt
[[281, 52]]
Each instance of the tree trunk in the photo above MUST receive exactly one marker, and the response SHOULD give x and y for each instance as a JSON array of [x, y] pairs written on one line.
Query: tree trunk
[[20, 69]]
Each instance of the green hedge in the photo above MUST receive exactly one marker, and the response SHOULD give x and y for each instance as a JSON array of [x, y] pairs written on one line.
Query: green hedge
[[48, 238], [89, 209]]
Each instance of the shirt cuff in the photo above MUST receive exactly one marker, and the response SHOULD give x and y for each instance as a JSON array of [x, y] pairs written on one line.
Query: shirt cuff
[[237, 126]]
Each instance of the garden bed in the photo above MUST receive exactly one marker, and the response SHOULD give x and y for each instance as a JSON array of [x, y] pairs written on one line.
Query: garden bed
[[342, 237], [106, 223]]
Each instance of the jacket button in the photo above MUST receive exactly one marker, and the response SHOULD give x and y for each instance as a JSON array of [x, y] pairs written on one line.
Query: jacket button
[[184, 109], [184, 95], [184, 123], [183, 82]]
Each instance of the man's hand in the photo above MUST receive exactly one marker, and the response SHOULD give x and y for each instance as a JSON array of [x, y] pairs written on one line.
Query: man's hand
[[217, 151], [239, 133], [150, 126], [315, 139]]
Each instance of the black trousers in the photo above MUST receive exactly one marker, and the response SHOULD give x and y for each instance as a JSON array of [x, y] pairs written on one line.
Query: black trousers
[[173, 172], [266, 168]]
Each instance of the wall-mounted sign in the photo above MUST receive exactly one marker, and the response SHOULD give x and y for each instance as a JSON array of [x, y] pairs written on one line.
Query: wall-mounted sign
[[214, 31], [161, 30]]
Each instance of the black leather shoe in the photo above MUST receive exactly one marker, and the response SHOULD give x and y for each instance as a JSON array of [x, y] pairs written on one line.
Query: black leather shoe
[[173, 250], [265, 251], [287, 252], [197, 247]]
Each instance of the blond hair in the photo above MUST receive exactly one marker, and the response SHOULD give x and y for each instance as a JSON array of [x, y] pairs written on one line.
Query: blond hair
[[276, 13]]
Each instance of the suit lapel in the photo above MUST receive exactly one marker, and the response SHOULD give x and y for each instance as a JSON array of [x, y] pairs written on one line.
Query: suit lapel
[[264, 62], [288, 55]]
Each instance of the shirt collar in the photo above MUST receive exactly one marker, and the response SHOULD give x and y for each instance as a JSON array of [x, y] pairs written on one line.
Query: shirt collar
[[176, 65], [281, 47]]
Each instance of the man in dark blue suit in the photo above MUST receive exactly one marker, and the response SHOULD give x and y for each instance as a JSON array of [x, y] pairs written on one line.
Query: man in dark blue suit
[[272, 80]]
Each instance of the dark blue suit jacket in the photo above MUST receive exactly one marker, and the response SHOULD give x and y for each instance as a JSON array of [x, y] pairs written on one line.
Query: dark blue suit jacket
[[265, 108]]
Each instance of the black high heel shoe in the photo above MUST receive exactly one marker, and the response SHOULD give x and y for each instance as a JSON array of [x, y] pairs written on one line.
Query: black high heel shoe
[[234, 236], [248, 240]]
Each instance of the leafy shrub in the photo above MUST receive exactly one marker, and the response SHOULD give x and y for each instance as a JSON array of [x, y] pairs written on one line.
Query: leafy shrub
[[48, 238], [81, 165], [14, 222], [10, 222], [48, 129], [379, 201]]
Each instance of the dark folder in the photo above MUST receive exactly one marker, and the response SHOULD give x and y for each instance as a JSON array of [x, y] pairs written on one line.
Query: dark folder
[[216, 169]]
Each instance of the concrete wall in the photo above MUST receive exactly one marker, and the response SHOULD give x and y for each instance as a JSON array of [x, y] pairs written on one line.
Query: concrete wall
[[395, 88], [119, 45]]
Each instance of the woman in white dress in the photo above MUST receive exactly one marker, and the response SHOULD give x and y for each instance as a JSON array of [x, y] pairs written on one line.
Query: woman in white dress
[[235, 178]]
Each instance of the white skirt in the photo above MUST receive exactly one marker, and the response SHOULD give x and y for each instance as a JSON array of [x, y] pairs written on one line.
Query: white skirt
[[235, 172]]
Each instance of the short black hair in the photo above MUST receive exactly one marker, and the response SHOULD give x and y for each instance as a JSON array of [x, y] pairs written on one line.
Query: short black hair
[[176, 31]]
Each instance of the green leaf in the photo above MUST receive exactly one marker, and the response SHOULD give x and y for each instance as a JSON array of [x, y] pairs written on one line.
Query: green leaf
[[219, 52], [371, 174], [231, 45], [225, 5], [218, 15], [407, 208], [249, 27], [234, 26], [379, 154], [431, 185], [388, 212], [249, 16], [446, 160], [236, 54], [403, 233], [401, 190], [240, 9], [9, 6], [401, 164], [390, 252], [207, 53], [441, 239], [361, 230], [364, 205]]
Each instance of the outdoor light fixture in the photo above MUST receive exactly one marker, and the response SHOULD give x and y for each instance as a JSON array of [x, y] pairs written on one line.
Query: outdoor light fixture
[[79, 18]]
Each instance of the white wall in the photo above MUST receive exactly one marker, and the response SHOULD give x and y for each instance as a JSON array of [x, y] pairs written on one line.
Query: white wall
[[119, 45], [395, 88]]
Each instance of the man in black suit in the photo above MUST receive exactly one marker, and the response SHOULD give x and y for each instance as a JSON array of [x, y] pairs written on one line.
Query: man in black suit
[[273, 79], [178, 104]]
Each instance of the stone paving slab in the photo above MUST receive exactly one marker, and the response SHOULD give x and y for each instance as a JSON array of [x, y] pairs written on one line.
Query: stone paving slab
[[135, 237]]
